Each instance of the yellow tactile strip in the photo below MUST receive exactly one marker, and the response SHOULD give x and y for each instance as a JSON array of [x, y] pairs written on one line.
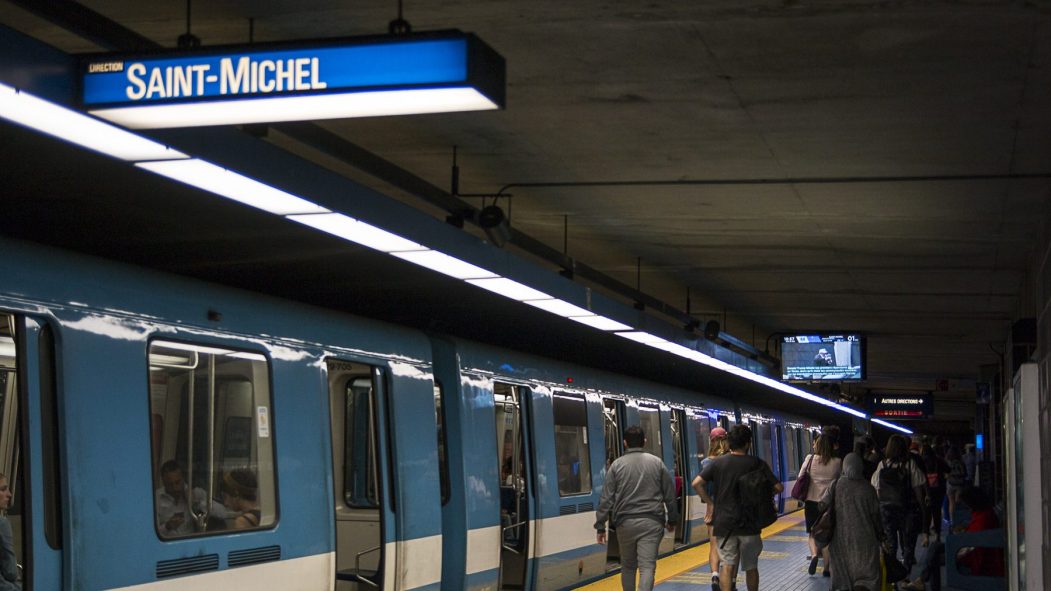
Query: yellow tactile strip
[[680, 562]]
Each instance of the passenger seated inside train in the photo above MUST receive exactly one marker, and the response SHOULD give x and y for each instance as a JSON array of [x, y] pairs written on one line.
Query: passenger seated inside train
[[240, 496], [568, 475], [173, 514]]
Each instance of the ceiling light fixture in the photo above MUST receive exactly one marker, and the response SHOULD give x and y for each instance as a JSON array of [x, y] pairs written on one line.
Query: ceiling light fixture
[[357, 231], [892, 426], [510, 289], [65, 124], [600, 322], [278, 109], [560, 308], [229, 184], [445, 264]]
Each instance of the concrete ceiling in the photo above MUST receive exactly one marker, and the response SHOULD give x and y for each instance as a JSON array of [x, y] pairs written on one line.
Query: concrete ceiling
[[845, 96]]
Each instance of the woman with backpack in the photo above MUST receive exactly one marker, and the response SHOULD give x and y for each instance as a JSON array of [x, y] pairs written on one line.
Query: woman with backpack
[[823, 467], [900, 489]]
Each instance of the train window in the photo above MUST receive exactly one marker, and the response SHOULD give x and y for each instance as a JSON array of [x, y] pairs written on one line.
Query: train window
[[10, 431], [650, 421], [611, 429], [791, 451], [361, 469], [702, 431], [210, 413], [571, 445], [443, 462]]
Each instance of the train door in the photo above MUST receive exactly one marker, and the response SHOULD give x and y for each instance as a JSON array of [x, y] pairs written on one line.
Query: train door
[[699, 425], [516, 485], [650, 421], [792, 461], [777, 431], [29, 414], [612, 421], [678, 424], [362, 513]]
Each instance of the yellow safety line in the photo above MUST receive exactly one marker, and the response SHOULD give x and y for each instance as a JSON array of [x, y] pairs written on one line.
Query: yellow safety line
[[691, 558]]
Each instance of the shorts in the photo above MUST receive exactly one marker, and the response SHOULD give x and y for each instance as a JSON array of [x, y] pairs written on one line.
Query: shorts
[[742, 551], [811, 512]]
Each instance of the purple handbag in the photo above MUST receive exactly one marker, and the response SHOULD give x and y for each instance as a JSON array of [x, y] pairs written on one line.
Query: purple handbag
[[802, 485]]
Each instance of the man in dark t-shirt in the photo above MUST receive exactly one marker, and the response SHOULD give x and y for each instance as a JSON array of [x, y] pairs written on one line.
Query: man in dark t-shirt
[[738, 546]]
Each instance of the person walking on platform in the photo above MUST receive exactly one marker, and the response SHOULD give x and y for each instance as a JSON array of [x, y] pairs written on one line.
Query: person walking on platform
[[734, 521], [899, 486], [640, 495], [718, 446], [823, 467], [937, 471], [858, 534]]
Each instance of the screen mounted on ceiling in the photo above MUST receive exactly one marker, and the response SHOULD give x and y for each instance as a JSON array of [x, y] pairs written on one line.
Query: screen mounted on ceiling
[[823, 357]]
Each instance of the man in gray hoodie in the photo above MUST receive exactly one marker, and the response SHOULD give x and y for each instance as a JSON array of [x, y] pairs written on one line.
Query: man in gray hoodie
[[639, 498]]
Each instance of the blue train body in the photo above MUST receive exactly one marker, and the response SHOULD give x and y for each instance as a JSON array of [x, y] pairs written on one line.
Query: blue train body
[[377, 455]]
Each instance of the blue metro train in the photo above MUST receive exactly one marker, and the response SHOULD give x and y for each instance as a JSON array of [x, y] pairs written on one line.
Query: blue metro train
[[163, 433]]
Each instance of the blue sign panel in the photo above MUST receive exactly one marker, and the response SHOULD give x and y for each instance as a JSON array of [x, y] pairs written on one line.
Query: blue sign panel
[[248, 73]]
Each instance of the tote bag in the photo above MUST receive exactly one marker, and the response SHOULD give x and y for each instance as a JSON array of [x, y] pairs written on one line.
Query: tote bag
[[802, 485]]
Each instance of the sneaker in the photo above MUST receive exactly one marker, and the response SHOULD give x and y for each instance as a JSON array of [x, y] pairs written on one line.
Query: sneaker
[[813, 566], [715, 583]]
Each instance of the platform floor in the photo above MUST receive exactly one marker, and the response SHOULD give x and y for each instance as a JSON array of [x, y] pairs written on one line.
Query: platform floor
[[782, 565]]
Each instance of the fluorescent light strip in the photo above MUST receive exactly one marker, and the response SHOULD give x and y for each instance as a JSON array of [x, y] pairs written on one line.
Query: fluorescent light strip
[[641, 337], [510, 289], [600, 322], [229, 184], [313, 107], [445, 264], [560, 308], [71, 126], [358, 231], [892, 426]]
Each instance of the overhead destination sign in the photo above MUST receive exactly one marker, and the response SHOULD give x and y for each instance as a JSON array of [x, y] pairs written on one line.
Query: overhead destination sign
[[429, 73], [902, 406]]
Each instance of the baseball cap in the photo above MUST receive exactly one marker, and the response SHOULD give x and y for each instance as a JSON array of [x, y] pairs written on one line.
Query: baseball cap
[[717, 433]]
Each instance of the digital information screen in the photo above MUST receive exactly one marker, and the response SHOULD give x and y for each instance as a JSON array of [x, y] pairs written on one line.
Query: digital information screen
[[822, 357]]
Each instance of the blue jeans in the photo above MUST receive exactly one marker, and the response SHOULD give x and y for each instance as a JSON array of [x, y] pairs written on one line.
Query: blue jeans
[[639, 538]]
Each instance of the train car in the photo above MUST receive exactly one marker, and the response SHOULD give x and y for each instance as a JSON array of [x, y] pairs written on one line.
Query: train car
[[152, 445], [162, 433]]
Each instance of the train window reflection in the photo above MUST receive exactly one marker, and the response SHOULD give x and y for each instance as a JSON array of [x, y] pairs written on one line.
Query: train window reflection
[[571, 445], [360, 471], [213, 463], [650, 421]]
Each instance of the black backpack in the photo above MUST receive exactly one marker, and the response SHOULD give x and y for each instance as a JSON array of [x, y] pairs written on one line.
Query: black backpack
[[894, 484], [755, 499]]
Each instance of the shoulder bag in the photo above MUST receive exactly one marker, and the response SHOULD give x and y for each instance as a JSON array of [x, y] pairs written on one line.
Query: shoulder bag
[[825, 526], [802, 485]]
